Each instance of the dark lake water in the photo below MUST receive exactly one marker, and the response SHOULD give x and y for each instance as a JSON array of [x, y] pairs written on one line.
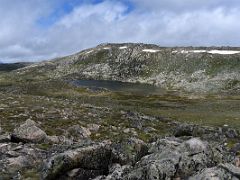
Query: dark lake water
[[119, 86]]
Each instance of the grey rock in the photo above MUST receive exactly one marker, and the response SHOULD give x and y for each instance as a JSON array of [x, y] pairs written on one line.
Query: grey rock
[[28, 132], [116, 172], [129, 151], [17, 158], [80, 173], [156, 166], [223, 171], [183, 130], [94, 157], [231, 133], [205, 132], [19, 162], [4, 147], [172, 158], [59, 140], [170, 143], [235, 171], [78, 132], [5, 138], [93, 127]]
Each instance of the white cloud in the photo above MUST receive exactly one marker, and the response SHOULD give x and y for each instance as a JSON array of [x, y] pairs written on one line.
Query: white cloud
[[185, 5], [165, 22]]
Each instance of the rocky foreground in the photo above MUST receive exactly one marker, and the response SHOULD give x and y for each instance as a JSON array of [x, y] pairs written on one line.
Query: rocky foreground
[[190, 152]]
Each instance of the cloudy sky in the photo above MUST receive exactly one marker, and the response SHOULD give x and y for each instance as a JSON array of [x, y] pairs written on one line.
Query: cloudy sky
[[33, 30]]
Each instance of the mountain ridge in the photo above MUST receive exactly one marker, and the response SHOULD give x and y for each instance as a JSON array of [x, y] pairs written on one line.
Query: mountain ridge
[[205, 69]]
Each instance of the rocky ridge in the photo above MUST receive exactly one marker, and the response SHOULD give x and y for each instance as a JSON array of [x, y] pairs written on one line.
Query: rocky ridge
[[202, 69]]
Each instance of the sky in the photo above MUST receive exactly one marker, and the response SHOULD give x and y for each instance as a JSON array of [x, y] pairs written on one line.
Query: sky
[[35, 30]]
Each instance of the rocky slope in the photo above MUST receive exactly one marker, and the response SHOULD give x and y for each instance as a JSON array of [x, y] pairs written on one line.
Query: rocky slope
[[181, 155], [211, 69]]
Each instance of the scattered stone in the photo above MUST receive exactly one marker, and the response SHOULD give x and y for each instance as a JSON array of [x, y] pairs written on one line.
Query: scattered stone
[[78, 132], [114, 128], [127, 130], [59, 140], [131, 131], [149, 130], [93, 127]]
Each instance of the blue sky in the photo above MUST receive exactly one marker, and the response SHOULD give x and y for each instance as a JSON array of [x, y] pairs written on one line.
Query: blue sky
[[62, 8], [34, 30]]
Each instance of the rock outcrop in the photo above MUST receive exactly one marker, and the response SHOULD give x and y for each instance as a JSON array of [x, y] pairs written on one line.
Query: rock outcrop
[[187, 155], [174, 158], [222, 171]]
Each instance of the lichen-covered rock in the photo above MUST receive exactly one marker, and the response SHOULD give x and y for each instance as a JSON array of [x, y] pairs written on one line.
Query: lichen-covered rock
[[59, 140], [116, 172], [93, 127], [129, 151], [156, 166], [83, 174], [205, 132], [170, 143], [94, 157], [78, 132], [5, 138], [15, 159], [173, 158], [28, 132], [223, 171]]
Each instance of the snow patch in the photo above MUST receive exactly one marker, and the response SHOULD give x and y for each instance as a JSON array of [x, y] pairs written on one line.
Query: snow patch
[[223, 52], [89, 52], [210, 52], [106, 48], [184, 51], [199, 51], [150, 50], [123, 47]]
